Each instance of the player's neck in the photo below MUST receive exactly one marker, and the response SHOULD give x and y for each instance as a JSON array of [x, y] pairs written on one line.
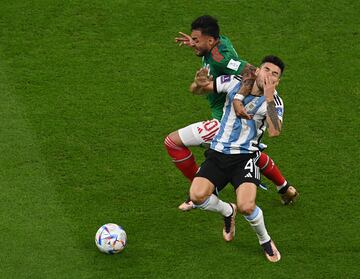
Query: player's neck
[[215, 44]]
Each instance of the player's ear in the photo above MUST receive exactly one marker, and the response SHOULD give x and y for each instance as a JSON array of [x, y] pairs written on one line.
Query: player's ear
[[277, 82], [257, 71], [211, 41]]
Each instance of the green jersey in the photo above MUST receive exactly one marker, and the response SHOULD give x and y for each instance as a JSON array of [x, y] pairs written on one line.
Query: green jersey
[[221, 60]]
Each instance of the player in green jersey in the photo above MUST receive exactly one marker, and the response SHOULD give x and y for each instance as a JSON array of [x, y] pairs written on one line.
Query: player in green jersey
[[220, 57]]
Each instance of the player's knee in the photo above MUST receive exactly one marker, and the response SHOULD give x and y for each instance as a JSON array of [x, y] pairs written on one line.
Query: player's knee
[[246, 208], [173, 139], [197, 197], [198, 193]]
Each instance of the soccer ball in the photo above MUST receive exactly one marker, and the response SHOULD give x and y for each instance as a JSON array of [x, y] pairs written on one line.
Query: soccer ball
[[110, 238]]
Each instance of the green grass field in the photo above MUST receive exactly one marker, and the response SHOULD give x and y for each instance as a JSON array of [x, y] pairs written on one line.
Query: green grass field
[[89, 90]]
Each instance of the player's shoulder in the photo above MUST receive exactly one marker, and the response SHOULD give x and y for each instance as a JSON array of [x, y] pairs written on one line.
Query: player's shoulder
[[223, 51], [225, 44], [230, 79], [278, 100], [227, 83]]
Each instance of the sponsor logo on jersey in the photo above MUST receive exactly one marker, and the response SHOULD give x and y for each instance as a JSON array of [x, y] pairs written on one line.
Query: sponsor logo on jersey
[[233, 65], [225, 79]]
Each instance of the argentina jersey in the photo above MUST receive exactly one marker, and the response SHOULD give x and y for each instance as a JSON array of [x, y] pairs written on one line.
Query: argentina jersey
[[237, 135]]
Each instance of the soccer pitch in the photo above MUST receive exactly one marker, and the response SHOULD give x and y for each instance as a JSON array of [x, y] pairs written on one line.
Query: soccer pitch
[[89, 90]]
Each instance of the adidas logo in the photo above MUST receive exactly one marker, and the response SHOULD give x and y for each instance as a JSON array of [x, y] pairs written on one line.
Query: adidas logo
[[248, 175]]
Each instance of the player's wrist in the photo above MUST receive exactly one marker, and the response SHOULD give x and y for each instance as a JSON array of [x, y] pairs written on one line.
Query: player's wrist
[[269, 97], [239, 97]]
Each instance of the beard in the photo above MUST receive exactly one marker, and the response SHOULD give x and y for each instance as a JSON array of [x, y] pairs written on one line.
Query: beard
[[260, 83], [199, 52]]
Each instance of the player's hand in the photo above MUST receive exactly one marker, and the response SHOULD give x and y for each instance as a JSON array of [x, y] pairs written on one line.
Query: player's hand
[[240, 110], [184, 40], [269, 88], [201, 77]]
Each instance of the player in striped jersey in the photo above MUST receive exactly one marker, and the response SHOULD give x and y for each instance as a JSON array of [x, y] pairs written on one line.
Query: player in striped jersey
[[234, 150], [220, 57]]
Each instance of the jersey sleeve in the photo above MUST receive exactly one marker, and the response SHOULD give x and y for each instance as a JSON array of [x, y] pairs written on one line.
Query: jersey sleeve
[[224, 84], [279, 106]]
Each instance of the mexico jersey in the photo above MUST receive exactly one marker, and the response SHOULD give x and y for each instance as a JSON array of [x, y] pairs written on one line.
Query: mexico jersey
[[221, 60], [237, 135]]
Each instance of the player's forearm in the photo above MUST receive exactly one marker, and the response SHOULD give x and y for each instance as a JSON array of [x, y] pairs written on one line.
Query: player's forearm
[[201, 90], [238, 107], [273, 120], [248, 79]]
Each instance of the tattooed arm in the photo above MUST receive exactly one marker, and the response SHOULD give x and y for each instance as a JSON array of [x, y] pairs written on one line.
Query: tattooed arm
[[274, 123], [248, 79], [272, 119]]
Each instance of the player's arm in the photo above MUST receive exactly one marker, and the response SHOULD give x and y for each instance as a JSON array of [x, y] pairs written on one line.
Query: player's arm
[[248, 79], [202, 84], [247, 72], [239, 108], [230, 66], [184, 39], [272, 118]]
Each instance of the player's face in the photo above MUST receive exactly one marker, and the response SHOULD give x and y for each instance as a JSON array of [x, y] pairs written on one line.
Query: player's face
[[202, 43], [268, 70]]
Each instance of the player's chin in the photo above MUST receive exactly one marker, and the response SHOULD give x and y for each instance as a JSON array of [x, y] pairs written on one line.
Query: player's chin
[[198, 53]]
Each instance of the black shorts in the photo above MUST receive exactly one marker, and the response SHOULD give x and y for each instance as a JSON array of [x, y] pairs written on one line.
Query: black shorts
[[221, 169]]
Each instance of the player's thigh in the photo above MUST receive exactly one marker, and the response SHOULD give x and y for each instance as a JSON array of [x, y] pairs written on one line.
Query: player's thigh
[[245, 170], [199, 133], [211, 170]]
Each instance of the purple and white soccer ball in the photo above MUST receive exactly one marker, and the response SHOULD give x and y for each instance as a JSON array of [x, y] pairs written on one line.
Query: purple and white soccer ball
[[110, 238]]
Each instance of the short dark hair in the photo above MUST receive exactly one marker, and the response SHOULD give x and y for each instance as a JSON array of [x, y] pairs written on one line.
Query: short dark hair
[[274, 60], [208, 25]]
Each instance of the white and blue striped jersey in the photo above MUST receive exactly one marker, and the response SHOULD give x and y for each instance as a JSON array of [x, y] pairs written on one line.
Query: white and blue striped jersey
[[237, 135]]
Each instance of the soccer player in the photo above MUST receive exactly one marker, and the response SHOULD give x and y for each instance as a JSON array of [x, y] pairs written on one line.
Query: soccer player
[[220, 57], [234, 150]]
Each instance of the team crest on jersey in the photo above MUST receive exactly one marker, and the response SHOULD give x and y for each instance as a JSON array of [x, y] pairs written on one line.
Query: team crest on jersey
[[225, 79], [254, 104]]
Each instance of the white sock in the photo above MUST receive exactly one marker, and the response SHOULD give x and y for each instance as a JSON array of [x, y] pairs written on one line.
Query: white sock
[[214, 204], [256, 220]]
